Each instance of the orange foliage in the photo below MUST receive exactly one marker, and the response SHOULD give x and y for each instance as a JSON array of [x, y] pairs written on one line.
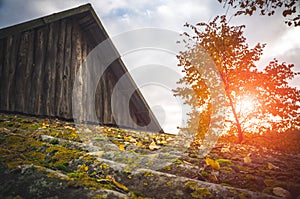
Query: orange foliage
[[288, 142]]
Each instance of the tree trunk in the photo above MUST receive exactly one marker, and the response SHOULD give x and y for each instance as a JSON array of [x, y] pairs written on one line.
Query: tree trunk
[[238, 124]]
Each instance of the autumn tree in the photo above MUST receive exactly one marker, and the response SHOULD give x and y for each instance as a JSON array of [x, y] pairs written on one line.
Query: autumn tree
[[290, 8], [256, 100]]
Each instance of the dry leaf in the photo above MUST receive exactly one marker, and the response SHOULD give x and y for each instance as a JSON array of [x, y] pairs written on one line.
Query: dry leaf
[[213, 178], [155, 155], [84, 167], [87, 130], [162, 142], [247, 160], [272, 166], [70, 128], [5, 130], [185, 162], [139, 144], [129, 138], [153, 146], [132, 140], [278, 191], [111, 179], [225, 150], [122, 147], [97, 153], [212, 163]]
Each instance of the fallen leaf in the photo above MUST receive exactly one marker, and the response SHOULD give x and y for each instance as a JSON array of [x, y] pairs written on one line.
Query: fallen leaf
[[122, 147], [213, 178], [70, 128], [139, 144], [129, 138], [278, 191], [212, 163], [153, 146], [87, 130], [223, 161], [83, 167], [117, 184], [247, 160], [272, 166], [162, 142], [225, 150], [155, 155], [97, 153], [185, 162], [5, 130]]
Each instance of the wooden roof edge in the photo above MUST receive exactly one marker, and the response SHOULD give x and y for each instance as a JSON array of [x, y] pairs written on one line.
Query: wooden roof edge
[[139, 93], [31, 24]]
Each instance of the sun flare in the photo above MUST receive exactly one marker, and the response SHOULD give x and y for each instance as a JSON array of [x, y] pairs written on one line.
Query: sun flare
[[245, 105]]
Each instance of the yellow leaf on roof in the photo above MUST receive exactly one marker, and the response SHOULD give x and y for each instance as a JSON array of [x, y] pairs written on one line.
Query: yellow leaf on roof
[[162, 142], [272, 166], [212, 163], [83, 167], [117, 184], [122, 147], [225, 150], [139, 144], [247, 160], [97, 153], [153, 146], [70, 128]]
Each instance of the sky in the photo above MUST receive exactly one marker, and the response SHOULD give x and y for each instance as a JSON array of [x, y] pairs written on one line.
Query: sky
[[122, 16]]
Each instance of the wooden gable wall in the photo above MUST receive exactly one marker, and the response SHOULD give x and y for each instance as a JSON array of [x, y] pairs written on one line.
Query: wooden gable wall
[[38, 68]]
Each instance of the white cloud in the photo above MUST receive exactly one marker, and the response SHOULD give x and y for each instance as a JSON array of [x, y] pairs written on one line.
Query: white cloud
[[287, 41]]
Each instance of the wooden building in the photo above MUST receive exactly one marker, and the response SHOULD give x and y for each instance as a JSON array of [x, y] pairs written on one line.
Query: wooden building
[[39, 61]]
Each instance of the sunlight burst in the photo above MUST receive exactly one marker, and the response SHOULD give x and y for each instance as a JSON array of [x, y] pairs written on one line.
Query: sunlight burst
[[245, 105]]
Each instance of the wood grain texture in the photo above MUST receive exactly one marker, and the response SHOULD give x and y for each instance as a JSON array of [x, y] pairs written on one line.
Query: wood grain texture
[[2, 55]]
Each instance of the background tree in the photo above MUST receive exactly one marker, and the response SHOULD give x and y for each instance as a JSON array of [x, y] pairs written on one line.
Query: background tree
[[257, 101], [290, 8]]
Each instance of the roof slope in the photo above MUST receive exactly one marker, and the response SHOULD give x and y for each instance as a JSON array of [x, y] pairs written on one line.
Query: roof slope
[[89, 21]]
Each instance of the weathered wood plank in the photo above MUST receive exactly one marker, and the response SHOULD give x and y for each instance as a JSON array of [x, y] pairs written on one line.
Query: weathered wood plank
[[20, 71], [132, 113], [2, 51], [59, 83], [76, 62], [104, 103], [66, 72], [39, 60], [12, 70], [29, 72], [123, 110], [5, 79], [84, 47], [109, 90], [75, 37], [49, 70], [53, 65], [99, 101]]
